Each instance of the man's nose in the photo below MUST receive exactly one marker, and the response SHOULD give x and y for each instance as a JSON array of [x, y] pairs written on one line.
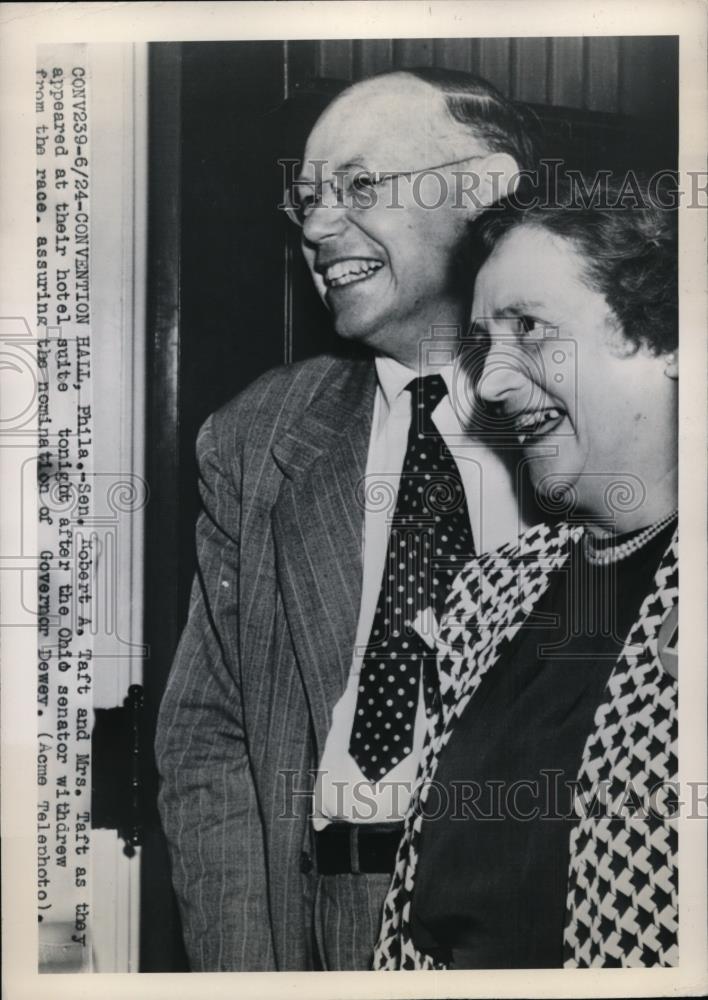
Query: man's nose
[[326, 218], [503, 376]]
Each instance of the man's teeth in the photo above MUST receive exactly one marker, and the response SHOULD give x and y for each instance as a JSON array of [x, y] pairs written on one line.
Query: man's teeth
[[536, 422], [344, 272]]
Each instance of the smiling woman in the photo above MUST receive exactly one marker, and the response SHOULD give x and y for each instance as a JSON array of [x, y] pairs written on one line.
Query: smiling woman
[[543, 832], [580, 305]]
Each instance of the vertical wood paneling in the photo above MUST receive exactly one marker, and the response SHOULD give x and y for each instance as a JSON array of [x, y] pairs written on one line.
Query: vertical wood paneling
[[335, 59], [494, 63], [598, 74], [642, 93], [299, 63], [633, 53], [412, 52], [372, 56], [453, 53], [566, 72], [602, 74], [530, 70]]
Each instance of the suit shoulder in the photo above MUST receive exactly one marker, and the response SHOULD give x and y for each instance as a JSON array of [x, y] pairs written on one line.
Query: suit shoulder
[[278, 397]]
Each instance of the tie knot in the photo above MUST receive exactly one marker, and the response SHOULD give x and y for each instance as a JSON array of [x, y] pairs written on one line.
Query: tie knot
[[426, 392]]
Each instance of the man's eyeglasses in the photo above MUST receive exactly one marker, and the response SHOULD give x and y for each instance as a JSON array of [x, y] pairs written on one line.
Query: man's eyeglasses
[[356, 188]]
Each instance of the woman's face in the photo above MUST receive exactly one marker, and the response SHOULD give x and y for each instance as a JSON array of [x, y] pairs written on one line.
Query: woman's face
[[592, 413]]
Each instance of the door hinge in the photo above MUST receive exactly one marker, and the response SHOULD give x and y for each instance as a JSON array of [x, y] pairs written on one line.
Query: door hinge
[[117, 769]]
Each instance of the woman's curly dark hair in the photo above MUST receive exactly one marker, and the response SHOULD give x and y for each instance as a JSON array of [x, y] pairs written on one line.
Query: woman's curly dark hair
[[629, 245]]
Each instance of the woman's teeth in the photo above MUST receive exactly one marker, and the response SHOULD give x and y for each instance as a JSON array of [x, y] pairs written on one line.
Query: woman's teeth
[[537, 423], [344, 272]]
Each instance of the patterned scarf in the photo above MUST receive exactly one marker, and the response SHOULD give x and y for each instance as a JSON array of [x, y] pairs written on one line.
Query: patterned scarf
[[622, 899]]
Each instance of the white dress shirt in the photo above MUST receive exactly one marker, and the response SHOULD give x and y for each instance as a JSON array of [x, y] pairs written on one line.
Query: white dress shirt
[[341, 790]]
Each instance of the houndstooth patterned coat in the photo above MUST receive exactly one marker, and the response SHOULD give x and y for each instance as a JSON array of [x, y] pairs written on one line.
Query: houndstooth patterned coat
[[622, 895]]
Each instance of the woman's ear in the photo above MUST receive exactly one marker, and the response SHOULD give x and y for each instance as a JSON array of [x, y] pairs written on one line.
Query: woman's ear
[[499, 177], [671, 365]]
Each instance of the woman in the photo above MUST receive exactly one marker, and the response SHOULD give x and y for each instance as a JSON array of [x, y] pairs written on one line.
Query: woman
[[541, 832]]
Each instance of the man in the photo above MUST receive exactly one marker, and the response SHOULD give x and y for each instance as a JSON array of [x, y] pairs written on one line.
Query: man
[[269, 699]]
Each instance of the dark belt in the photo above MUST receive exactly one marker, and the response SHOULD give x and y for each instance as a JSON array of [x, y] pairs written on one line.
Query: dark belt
[[357, 848]]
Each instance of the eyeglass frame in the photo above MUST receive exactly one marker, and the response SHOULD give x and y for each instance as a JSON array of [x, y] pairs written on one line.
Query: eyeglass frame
[[380, 175]]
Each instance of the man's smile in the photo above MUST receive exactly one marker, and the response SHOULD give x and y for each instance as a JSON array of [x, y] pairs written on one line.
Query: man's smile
[[349, 270]]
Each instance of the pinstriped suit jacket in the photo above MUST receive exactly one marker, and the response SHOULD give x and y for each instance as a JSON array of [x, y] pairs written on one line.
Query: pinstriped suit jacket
[[263, 659]]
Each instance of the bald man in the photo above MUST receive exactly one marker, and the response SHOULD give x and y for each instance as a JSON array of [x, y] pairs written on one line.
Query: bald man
[[296, 708]]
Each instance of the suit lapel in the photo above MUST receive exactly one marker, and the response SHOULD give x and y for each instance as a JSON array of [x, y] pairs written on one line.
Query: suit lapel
[[317, 524]]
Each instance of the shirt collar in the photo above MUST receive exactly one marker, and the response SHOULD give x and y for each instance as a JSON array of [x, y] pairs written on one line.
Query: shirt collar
[[393, 377]]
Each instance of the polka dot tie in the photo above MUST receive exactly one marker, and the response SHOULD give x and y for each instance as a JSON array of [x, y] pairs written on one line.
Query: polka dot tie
[[429, 541]]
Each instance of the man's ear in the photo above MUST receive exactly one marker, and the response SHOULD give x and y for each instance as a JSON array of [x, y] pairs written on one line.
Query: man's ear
[[499, 177]]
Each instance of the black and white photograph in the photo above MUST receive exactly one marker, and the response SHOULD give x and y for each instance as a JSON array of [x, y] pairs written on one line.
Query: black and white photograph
[[354, 389]]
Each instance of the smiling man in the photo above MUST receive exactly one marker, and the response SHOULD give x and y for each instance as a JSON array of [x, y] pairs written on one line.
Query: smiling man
[[394, 265], [338, 497]]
